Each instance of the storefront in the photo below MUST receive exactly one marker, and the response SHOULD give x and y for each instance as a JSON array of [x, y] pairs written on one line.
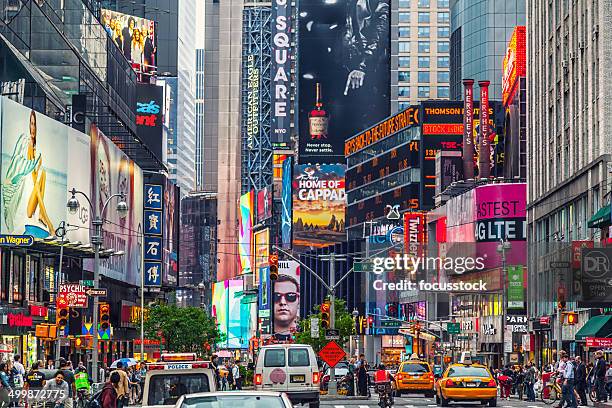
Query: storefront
[[490, 340], [392, 349], [17, 335]]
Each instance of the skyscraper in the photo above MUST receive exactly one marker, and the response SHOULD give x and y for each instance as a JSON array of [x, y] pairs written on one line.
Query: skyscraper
[[420, 62], [480, 30]]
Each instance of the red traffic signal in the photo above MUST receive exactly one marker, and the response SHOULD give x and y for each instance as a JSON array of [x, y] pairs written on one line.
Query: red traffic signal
[[104, 316], [370, 321]]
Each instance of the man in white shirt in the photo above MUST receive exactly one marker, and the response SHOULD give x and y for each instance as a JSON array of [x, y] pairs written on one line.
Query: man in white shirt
[[20, 369], [236, 375]]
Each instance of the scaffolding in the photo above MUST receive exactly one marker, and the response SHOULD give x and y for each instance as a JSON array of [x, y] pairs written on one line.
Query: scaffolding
[[256, 142]]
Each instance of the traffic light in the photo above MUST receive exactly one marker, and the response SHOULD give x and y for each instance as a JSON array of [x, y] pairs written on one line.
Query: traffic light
[[561, 304], [273, 261], [104, 316], [370, 322], [325, 315], [61, 316], [570, 318]]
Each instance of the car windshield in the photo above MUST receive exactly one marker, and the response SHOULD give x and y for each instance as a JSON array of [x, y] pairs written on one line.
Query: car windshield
[[415, 368], [166, 389], [233, 401], [468, 371]]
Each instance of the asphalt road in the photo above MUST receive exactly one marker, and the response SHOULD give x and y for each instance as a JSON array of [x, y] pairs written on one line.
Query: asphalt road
[[420, 401]]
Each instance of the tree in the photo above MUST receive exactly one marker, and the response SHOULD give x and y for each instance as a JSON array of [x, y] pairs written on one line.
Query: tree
[[183, 329], [344, 323]]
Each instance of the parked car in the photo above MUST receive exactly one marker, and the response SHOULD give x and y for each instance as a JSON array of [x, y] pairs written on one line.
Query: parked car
[[246, 399]]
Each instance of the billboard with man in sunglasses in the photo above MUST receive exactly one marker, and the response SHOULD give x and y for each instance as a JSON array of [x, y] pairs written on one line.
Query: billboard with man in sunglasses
[[286, 298]]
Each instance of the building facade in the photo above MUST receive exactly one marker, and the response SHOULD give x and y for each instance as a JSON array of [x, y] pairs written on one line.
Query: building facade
[[420, 51], [480, 30], [570, 109]]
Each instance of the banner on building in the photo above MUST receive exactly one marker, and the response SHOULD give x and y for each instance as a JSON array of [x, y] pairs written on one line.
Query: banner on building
[[319, 205], [245, 238], [287, 204], [516, 287], [286, 298], [153, 233], [344, 79], [280, 128], [149, 117]]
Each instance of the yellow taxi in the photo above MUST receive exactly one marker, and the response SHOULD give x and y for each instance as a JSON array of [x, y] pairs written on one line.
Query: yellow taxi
[[466, 381], [416, 377]]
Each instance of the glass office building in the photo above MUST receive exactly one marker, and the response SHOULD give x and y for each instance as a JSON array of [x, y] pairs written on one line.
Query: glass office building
[[480, 30]]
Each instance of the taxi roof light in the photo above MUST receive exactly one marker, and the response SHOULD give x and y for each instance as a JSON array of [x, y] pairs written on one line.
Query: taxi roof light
[[466, 358]]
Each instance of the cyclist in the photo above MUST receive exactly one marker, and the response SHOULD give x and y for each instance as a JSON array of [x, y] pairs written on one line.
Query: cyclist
[[384, 378], [81, 383]]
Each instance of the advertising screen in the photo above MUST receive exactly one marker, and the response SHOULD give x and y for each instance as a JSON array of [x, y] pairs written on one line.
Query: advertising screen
[[171, 226], [262, 251], [37, 175], [344, 77], [286, 298], [149, 117], [135, 37], [319, 205], [227, 309], [246, 232], [286, 194], [264, 204], [264, 298], [280, 128]]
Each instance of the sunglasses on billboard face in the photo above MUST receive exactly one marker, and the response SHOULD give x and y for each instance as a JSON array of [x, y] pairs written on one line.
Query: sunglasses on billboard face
[[290, 297]]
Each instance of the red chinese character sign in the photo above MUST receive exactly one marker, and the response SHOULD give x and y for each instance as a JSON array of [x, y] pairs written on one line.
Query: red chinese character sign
[[332, 353]]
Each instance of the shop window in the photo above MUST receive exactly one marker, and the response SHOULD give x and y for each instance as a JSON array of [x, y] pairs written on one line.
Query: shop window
[[17, 286], [4, 277]]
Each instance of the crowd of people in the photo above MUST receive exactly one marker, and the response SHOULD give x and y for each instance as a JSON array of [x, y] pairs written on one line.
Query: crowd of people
[[578, 379], [227, 377], [122, 385]]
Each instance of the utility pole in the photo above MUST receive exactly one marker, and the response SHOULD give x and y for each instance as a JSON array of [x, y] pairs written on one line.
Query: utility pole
[[333, 387], [503, 246]]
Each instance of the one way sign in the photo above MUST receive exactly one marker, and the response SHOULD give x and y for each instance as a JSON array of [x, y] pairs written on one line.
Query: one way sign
[[96, 292]]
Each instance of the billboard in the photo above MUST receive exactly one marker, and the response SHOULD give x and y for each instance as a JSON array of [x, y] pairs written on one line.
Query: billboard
[[280, 128], [171, 233], [286, 194], [36, 177], [264, 204], [153, 233], [253, 103], [135, 37], [319, 205], [344, 76], [149, 117], [227, 309], [286, 298], [262, 251], [246, 232], [264, 300], [515, 63]]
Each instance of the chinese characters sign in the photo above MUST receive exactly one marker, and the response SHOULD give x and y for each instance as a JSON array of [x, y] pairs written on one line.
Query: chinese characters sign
[[153, 234]]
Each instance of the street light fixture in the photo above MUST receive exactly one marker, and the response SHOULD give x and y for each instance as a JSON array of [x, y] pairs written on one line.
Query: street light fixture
[[503, 246], [96, 240]]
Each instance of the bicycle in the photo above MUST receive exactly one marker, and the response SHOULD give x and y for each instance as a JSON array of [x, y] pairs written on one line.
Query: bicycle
[[551, 392]]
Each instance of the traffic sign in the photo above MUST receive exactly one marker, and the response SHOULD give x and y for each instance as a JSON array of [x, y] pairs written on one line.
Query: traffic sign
[[559, 265], [88, 283], [332, 334], [96, 292], [72, 295], [453, 328], [314, 327], [332, 353], [363, 266], [390, 323]]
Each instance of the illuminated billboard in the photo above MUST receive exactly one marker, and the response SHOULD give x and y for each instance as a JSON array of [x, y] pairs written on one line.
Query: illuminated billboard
[[245, 240], [344, 77], [262, 251], [264, 204], [286, 194], [232, 316], [286, 299], [135, 37], [319, 204], [515, 63]]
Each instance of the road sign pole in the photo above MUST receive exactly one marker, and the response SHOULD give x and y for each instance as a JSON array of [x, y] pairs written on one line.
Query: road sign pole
[[333, 386]]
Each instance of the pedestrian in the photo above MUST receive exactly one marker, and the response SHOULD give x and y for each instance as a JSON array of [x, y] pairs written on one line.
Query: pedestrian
[[581, 381], [530, 379], [568, 382], [108, 397], [50, 364], [237, 376], [362, 376], [58, 390], [505, 382], [35, 380], [609, 381], [123, 386], [214, 362], [5, 386], [19, 369], [599, 368], [68, 377]]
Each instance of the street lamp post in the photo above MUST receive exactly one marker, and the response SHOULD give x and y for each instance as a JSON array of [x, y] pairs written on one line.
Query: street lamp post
[[96, 240], [504, 245]]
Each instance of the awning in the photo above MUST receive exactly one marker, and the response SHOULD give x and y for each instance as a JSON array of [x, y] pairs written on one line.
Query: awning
[[601, 218], [597, 326]]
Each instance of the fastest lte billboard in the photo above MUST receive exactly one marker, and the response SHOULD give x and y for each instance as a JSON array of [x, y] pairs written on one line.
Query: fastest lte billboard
[[344, 75]]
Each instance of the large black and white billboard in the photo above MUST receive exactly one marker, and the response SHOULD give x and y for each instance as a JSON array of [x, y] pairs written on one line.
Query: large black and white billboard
[[344, 75]]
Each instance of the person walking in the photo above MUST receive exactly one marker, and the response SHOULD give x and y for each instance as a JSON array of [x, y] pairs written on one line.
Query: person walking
[[581, 381], [599, 368], [237, 376], [609, 381], [5, 386], [214, 362], [108, 397], [123, 386], [362, 376], [68, 377], [568, 383], [229, 376], [530, 379]]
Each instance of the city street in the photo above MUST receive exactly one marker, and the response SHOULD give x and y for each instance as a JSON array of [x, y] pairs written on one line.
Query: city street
[[420, 401]]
